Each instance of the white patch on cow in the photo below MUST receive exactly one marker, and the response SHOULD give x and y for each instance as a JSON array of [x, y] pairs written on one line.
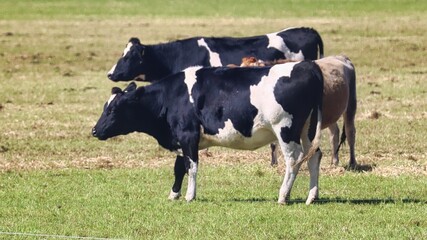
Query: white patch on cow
[[112, 70], [262, 97], [313, 166], [292, 152], [127, 49], [214, 59], [190, 79], [228, 136], [277, 42], [192, 177], [111, 99], [227, 131]]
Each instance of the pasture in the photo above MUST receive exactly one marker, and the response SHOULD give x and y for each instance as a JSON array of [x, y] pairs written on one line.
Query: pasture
[[57, 180]]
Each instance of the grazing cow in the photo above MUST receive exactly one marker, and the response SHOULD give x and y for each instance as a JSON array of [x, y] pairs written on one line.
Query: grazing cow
[[339, 99], [153, 62], [240, 108]]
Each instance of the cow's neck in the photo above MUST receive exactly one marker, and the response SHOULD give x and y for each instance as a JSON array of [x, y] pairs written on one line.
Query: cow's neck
[[164, 59], [153, 117]]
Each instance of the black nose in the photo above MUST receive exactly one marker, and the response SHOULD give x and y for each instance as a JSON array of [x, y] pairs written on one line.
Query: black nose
[[109, 75], [94, 132]]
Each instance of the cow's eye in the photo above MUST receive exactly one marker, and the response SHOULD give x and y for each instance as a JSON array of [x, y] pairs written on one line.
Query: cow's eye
[[109, 111]]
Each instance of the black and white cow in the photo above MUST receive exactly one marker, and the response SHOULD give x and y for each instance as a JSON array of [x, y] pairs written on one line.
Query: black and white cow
[[240, 108], [153, 62]]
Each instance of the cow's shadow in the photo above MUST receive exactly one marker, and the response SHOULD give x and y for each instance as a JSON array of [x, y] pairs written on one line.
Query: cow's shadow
[[360, 167], [372, 201]]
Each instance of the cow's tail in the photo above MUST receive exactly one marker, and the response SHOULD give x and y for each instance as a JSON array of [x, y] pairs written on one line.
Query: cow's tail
[[316, 117], [343, 138], [319, 43], [316, 140]]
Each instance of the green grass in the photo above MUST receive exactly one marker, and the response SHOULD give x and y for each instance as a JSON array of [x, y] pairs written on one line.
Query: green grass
[[56, 179], [48, 9], [237, 202]]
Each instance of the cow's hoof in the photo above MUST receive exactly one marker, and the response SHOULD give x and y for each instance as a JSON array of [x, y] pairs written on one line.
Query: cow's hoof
[[310, 200], [190, 198], [282, 200], [174, 196]]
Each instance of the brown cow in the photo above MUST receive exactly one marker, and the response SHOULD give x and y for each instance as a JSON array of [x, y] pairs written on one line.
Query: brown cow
[[339, 98]]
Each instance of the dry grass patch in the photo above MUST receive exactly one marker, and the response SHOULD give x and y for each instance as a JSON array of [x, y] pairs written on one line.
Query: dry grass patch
[[53, 86]]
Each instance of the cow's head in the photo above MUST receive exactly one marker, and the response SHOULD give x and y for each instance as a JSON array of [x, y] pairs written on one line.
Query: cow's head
[[130, 65], [120, 113]]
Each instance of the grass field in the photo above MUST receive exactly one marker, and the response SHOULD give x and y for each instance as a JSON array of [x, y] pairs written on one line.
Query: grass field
[[57, 180]]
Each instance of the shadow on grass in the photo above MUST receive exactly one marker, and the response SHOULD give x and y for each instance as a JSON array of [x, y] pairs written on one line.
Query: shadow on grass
[[360, 168], [375, 201]]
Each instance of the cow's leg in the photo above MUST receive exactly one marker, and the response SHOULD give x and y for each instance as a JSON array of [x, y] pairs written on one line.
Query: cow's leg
[[349, 117], [192, 167], [190, 149], [313, 167], [307, 136], [179, 171], [334, 133], [293, 154], [350, 132], [273, 154], [289, 141]]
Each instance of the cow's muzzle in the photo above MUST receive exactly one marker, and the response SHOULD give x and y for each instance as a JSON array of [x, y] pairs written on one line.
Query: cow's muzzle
[[110, 76], [94, 132]]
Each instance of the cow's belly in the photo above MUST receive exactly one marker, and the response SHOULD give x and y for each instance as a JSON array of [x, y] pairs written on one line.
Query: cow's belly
[[229, 137]]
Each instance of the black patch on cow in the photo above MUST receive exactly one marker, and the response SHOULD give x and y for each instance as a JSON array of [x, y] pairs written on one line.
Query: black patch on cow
[[307, 40], [297, 102], [222, 94], [179, 172]]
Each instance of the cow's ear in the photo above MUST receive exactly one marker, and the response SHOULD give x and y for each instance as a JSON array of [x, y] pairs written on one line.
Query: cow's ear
[[135, 41], [130, 87], [116, 90]]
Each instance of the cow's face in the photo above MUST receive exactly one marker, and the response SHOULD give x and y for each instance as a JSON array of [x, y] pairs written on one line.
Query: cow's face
[[119, 114], [130, 65]]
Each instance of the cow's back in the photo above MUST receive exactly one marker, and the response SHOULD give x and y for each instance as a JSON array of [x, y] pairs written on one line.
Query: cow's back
[[232, 50]]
